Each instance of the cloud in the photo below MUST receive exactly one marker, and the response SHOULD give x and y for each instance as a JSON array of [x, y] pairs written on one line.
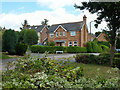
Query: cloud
[[56, 16], [21, 8], [53, 4]]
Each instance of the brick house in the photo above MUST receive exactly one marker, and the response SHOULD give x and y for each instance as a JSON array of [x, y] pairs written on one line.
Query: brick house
[[101, 37], [69, 34], [41, 30], [91, 36]]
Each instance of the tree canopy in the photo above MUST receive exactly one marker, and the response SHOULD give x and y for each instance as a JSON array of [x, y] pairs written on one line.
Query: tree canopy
[[109, 12]]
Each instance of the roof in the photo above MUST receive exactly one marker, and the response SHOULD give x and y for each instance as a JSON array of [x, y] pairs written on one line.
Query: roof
[[72, 26], [38, 28]]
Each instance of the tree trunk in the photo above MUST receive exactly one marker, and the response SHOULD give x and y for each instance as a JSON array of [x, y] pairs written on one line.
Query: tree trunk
[[112, 54]]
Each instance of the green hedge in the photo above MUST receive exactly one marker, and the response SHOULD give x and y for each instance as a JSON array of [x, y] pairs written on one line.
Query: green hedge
[[102, 59], [53, 49]]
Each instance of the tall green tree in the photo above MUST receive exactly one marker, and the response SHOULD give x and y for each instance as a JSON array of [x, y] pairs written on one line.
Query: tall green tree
[[10, 40], [97, 33], [25, 25], [30, 37], [108, 11]]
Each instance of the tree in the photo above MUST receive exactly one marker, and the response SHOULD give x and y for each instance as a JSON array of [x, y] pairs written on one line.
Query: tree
[[30, 37], [10, 40], [108, 11], [97, 33], [45, 22], [25, 25], [89, 47]]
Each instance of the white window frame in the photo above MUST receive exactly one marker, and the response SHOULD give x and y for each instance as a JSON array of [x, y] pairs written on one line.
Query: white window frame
[[60, 33], [72, 33], [75, 44], [63, 33], [56, 34], [51, 35], [69, 43]]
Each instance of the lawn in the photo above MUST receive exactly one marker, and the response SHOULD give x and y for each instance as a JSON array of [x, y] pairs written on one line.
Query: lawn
[[92, 70]]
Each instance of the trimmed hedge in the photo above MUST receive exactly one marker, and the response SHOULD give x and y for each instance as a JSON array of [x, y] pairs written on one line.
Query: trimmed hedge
[[102, 59], [53, 49]]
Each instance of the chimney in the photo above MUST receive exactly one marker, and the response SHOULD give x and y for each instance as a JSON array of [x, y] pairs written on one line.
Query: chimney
[[4, 29], [84, 18]]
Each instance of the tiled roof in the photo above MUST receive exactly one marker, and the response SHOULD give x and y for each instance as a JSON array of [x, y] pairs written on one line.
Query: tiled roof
[[73, 26], [38, 28]]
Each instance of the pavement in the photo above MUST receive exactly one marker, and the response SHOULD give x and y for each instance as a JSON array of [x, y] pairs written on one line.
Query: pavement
[[3, 63]]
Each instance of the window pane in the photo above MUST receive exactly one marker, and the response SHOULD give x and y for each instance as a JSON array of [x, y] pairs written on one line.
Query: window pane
[[56, 34], [63, 33], [72, 33], [60, 33]]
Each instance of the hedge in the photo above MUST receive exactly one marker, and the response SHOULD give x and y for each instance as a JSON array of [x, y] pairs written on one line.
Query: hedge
[[53, 49]]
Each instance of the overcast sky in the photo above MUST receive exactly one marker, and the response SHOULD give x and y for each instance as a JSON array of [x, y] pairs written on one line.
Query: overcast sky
[[13, 13]]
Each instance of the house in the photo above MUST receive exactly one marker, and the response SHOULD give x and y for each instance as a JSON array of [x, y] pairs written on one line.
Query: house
[[91, 37], [69, 34], [41, 30], [101, 37]]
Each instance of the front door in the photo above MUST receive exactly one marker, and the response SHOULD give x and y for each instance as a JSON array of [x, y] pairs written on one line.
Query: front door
[[60, 43]]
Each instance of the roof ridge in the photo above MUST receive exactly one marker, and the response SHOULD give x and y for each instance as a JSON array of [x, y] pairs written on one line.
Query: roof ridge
[[67, 23], [35, 25]]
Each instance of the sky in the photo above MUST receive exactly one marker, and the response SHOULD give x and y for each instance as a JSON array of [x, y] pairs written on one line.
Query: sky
[[14, 12]]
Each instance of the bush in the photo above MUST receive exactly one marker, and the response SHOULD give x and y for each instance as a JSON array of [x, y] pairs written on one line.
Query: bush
[[116, 62], [51, 43], [105, 48], [93, 59], [94, 47], [21, 49], [103, 43], [53, 49], [89, 47]]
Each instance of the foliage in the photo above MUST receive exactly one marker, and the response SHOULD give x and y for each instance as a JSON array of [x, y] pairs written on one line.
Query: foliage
[[21, 49], [104, 11], [97, 33], [5, 57], [10, 40], [105, 48], [103, 43], [53, 49], [32, 72], [92, 59], [94, 47], [30, 37], [89, 47], [118, 43], [51, 43]]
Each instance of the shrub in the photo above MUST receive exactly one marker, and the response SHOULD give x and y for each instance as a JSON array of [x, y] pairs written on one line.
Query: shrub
[[116, 62], [94, 47], [21, 49], [76, 49], [89, 47], [51, 43], [105, 48], [103, 43]]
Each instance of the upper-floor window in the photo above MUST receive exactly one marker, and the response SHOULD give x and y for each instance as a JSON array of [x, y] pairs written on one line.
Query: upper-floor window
[[63, 33], [56, 34], [51, 35], [70, 44], [72, 33], [75, 43], [60, 33]]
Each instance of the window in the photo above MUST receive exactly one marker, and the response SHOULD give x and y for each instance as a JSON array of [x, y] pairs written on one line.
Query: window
[[60, 33], [70, 43], [35, 27], [63, 43], [75, 43], [51, 35], [63, 33], [56, 34], [72, 33]]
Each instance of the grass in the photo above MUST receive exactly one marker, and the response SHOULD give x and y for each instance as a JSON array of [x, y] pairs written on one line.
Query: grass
[[91, 70], [5, 57]]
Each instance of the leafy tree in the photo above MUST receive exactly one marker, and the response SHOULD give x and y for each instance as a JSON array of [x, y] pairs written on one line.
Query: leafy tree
[[94, 47], [21, 35], [45, 22], [30, 37], [89, 47], [97, 33], [108, 11], [51, 43], [10, 40]]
